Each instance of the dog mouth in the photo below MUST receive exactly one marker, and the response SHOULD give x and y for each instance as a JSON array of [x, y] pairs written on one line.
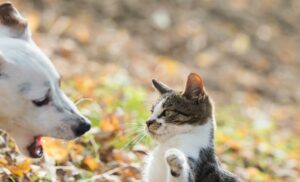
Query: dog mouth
[[35, 149]]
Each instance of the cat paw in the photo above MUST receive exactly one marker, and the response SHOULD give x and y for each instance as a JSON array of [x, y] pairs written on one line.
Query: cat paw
[[175, 159]]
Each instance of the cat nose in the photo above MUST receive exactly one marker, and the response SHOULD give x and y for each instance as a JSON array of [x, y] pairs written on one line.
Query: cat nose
[[150, 122]]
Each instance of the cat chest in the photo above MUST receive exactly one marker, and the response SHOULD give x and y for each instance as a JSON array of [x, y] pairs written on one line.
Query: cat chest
[[157, 167]]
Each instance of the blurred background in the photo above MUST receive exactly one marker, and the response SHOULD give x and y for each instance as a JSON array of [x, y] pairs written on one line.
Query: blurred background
[[108, 51]]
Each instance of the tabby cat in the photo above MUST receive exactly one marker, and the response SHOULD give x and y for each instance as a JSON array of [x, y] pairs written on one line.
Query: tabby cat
[[183, 125]]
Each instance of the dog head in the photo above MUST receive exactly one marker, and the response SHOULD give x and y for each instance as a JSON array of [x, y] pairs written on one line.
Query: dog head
[[32, 103]]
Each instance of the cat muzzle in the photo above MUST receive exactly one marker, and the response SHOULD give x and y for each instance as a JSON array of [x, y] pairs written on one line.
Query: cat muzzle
[[153, 125]]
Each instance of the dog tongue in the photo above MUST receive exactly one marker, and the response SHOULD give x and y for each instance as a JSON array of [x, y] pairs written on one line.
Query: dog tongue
[[36, 148]]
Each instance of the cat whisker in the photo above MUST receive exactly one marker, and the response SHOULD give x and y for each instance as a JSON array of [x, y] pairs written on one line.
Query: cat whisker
[[133, 135], [134, 141], [127, 144], [135, 129], [140, 139]]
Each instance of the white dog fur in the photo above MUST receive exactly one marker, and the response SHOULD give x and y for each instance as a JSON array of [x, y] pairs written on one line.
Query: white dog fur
[[27, 75]]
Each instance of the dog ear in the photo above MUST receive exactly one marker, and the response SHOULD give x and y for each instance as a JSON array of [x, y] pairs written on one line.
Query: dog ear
[[160, 87], [12, 24], [194, 87]]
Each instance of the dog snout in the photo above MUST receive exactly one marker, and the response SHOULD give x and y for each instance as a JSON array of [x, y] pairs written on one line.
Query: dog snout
[[82, 128]]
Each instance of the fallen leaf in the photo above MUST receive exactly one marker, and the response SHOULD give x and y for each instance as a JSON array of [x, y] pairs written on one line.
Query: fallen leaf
[[110, 123], [90, 163], [85, 85], [21, 168], [3, 161], [131, 172], [120, 156], [56, 149]]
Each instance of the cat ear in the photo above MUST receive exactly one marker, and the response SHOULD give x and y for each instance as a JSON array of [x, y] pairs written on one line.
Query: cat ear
[[12, 24], [160, 87], [194, 87]]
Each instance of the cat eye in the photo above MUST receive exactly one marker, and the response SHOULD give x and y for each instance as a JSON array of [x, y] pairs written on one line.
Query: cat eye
[[169, 113], [43, 101]]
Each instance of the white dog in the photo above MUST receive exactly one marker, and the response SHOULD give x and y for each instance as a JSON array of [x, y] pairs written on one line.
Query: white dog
[[31, 102]]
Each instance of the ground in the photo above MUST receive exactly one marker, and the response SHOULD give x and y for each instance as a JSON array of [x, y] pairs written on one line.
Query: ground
[[108, 52]]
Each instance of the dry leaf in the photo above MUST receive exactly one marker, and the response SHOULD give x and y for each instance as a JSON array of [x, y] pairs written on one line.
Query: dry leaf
[[131, 172], [75, 149], [82, 34], [110, 123], [90, 163], [21, 168], [33, 19], [85, 84], [168, 65], [120, 156], [56, 149], [3, 161]]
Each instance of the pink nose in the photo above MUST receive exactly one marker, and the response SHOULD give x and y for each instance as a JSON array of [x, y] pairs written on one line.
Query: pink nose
[[150, 122]]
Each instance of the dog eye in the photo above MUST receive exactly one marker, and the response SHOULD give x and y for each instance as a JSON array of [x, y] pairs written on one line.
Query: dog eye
[[42, 102]]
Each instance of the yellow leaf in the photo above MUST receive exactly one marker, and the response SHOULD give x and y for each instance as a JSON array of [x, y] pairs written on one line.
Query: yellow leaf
[[75, 147], [294, 155], [85, 85], [168, 65], [109, 99], [90, 163], [3, 161], [241, 43], [110, 123], [82, 34], [206, 59], [34, 20], [252, 171], [132, 172], [56, 149], [21, 168], [234, 146], [121, 157]]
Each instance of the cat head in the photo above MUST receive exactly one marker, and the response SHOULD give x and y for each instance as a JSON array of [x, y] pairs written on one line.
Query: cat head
[[176, 112]]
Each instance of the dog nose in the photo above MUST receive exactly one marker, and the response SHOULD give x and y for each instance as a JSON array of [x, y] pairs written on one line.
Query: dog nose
[[82, 128], [150, 122]]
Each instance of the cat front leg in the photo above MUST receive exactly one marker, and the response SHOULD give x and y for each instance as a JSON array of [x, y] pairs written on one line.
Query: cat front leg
[[178, 167]]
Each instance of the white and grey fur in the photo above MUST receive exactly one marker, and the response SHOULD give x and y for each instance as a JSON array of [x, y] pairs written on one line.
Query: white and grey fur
[[183, 125], [31, 102]]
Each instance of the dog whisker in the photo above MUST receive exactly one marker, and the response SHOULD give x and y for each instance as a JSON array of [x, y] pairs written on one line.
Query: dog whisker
[[78, 101]]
